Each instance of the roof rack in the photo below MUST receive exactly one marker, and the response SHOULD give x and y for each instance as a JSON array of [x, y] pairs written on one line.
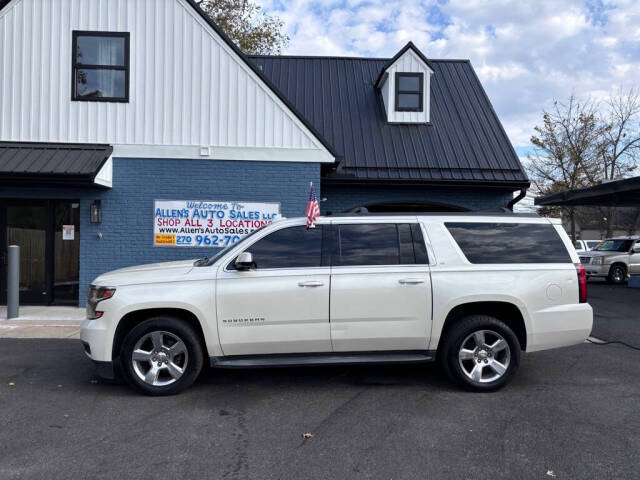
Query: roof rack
[[495, 213]]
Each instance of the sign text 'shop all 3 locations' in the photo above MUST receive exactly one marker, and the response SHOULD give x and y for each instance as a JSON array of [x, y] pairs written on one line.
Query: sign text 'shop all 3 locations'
[[189, 223]]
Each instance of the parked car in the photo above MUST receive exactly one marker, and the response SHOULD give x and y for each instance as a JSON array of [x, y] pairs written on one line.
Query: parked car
[[614, 259], [585, 245], [463, 289]]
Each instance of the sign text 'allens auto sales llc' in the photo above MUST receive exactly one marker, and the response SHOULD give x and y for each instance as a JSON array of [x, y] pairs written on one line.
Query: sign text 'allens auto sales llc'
[[187, 223]]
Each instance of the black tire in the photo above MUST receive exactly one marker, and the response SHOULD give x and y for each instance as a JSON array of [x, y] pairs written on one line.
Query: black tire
[[192, 359], [617, 274], [460, 332]]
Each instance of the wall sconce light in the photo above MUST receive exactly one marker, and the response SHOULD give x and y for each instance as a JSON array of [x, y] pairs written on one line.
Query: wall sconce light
[[96, 211]]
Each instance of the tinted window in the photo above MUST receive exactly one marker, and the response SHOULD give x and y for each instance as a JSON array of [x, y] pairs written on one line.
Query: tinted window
[[367, 244], [509, 242], [419, 248], [288, 248], [614, 246], [405, 241]]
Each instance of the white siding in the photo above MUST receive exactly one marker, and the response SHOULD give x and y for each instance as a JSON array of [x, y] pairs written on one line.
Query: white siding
[[187, 87], [407, 63]]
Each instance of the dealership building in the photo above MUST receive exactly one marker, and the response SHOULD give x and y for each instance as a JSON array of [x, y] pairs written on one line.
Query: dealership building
[[135, 131]]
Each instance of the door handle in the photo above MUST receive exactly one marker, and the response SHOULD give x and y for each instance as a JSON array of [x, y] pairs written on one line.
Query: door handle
[[310, 283], [410, 281]]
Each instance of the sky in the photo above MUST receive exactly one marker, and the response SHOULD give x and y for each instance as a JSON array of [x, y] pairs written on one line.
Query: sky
[[527, 53]]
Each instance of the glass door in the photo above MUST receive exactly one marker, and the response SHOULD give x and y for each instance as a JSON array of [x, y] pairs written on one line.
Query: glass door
[[25, 225], [48, 233], [66, 252]]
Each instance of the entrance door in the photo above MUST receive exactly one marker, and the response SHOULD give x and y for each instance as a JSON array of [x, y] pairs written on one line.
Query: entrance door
[[47, 233], [25, 225]]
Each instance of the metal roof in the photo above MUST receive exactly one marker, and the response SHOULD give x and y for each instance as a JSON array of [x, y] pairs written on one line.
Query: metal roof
[[618, 193], [463, 143], [52, 162]]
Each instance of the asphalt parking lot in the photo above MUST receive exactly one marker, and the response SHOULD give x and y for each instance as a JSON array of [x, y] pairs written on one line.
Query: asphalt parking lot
[[569, 413]]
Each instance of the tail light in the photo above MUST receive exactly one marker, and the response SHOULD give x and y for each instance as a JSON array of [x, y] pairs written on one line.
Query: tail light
[[582, 284]]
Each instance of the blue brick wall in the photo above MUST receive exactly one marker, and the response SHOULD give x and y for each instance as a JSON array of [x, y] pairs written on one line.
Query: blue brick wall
[[127, 208], [343, 197]]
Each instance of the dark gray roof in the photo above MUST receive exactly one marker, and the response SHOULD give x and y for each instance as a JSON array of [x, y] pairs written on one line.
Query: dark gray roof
[[618, 193], [52, 162], [464, 143]]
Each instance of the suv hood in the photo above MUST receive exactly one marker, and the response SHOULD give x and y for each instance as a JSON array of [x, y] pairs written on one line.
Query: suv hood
[[149, 273], [593, 253]]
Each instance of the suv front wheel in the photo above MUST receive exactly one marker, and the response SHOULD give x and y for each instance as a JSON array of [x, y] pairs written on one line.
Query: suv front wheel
[[161, 356], [481, 353], [617, 274]]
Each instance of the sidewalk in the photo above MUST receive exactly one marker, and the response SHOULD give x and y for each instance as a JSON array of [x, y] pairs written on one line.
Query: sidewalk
[[42, 322]]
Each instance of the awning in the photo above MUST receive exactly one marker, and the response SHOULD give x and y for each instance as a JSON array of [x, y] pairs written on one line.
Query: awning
[[55, 163], [617, 193]]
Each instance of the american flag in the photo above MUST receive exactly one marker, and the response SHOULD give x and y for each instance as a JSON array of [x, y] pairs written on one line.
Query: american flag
[[313, 209]]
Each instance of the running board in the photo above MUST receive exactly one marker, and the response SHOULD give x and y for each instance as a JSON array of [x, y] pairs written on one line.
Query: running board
[[320, 359]]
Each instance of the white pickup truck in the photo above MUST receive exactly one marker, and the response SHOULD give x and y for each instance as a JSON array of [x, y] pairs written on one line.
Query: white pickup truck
[[472, 291]]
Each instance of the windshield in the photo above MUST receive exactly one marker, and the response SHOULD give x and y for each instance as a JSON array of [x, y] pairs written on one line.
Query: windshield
[[614, 246], [207, 261]]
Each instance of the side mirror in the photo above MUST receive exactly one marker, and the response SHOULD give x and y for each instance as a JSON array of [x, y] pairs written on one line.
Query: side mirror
[[636, 248], [244, 261]]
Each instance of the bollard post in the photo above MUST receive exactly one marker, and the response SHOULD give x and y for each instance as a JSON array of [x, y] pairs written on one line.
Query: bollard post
[[13, 281]]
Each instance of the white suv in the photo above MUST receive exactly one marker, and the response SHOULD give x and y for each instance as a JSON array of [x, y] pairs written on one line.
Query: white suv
[[461, 288]]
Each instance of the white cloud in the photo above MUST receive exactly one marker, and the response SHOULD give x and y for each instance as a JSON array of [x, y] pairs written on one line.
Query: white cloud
[[526, 52]]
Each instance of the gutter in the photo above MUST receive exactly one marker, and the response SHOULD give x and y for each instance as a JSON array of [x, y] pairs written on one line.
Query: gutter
[[516, 199]]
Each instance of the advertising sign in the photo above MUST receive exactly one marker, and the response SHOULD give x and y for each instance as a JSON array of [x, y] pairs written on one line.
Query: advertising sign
[[200, 223]]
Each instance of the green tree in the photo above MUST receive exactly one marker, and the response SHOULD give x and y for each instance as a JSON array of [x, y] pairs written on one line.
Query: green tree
[[251, 29]]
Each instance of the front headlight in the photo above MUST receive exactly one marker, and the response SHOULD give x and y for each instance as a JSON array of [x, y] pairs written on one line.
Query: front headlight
[[94, 296]]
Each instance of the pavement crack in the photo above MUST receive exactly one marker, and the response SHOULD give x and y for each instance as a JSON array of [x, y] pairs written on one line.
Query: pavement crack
[[333, 413]]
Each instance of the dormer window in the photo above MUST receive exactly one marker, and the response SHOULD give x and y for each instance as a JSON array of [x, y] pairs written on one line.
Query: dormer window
[[405, 86], [409, 92]]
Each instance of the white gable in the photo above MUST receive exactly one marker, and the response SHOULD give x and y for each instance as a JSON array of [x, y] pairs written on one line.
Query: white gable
[[409, 62], [191, 95]]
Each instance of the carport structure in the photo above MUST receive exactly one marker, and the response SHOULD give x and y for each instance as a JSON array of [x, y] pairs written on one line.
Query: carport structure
[[617, 193]]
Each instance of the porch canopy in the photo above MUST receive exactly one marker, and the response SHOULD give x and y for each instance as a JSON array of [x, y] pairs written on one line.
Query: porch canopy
[[45, 164], [617, 193]]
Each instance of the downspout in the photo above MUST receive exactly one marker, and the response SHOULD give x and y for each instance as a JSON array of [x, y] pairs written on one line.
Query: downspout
[[516, 199]]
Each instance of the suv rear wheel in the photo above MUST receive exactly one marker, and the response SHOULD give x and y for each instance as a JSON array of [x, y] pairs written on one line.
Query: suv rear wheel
[[480, 353], [161, 356]]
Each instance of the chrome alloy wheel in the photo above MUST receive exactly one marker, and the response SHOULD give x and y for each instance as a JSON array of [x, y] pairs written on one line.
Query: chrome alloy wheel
[[484, 356], [617, 274], [159, 358]]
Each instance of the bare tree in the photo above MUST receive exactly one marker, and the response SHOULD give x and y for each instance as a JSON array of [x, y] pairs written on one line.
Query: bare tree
[[620, 148], [566, 149], [254, 31]]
